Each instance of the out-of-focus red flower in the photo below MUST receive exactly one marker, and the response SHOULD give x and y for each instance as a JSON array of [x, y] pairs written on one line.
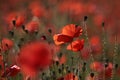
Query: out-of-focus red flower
[[70, 76], [6, 44], [37, 9], [68, 33], [95, 45], [50, 29], [18, 18], [108, 70], [34, 57], [98, 19], [72, 8], [61, 39], [62, 59], [118, 71], [85, 53], [11, 71], [76, 45], [97, 66], [32, 26]]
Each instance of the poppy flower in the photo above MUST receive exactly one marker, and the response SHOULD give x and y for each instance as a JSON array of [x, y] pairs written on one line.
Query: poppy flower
[[32, 26], [108, 70], [20, 20], [76, 45], [11, 71], [6, 44], [97, 66], [61, 39], [34, 57], [37, 9], [62, 59], [98, 19], [85, 53], [95, 43], [15, 19], [68, 33], [73, 8]]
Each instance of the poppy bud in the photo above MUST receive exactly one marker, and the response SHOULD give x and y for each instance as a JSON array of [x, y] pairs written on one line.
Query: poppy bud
[[85, 18], [22, 39], [14, 22], [23, 27], [57, 63], [43, 37], [26, 31], [92, 75], [106, 65], [36, 32], [49, 30], [103, 24], [59, 70], [116, 66], [11, 33]]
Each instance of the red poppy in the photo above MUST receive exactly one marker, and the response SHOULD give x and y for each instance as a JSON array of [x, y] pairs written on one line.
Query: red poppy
[[73, 8], [76, 45], [35, 56], [20, 20], [37, 9], [6, 44], [11, 71], [32, 26], [108, 70], [98, 19], [85, 53], [67, 34], [95, 44], [97, 66], [72, 30], [62, 60]]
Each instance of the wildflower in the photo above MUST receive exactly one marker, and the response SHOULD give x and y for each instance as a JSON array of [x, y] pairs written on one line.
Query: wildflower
[[6, 44], [68, 33], [11, 71], [76, 45], [32, 26], [34, 57], [96, 66]]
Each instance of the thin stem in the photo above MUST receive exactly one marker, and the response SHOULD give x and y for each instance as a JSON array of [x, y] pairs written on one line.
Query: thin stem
[[114, 58]]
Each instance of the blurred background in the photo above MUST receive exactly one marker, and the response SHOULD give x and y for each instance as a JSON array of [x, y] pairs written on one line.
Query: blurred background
[[52, 15]]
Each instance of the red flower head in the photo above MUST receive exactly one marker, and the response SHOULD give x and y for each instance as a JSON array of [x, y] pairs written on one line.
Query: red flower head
[[11, 71], [95, 44], [96, 66], [20, 20], [108, 70], [85, 53], [62, 59], [15, 19], [32, 26], [76, 45], [6, 44], [35, 56], [67, 34], [37, 9]]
